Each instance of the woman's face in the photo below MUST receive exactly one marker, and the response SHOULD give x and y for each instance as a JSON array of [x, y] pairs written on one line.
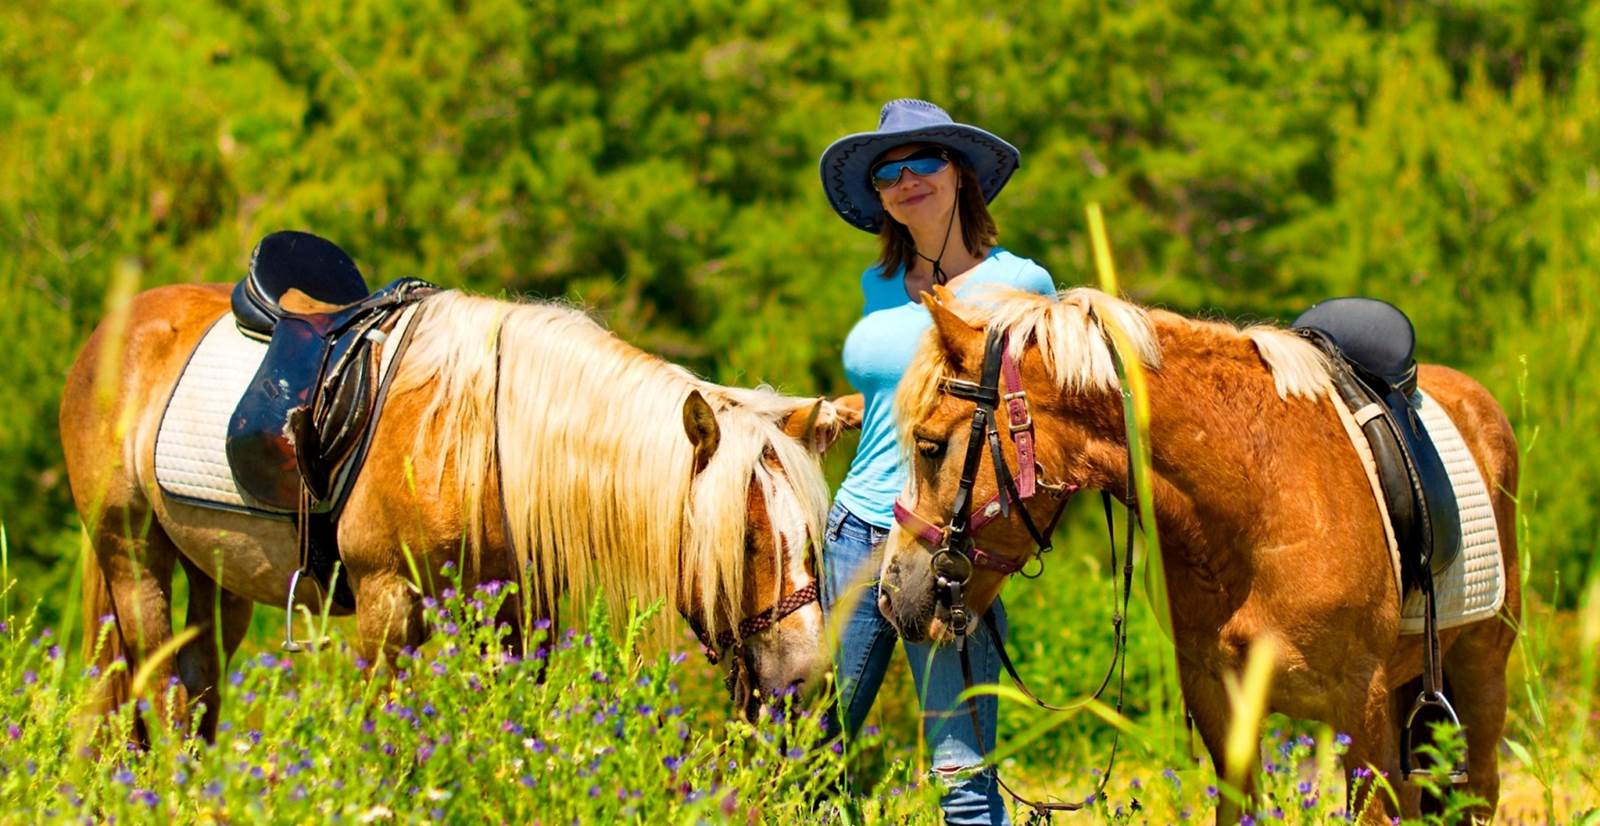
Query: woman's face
[[919, 201]]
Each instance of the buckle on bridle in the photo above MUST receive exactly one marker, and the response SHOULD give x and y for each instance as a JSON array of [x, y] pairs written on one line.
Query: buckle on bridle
[[1027, 411]]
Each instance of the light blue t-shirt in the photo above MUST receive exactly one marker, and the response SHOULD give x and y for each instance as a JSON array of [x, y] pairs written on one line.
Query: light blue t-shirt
[[877, 353]]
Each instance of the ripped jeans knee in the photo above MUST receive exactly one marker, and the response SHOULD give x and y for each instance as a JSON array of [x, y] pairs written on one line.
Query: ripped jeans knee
[[977, 777]]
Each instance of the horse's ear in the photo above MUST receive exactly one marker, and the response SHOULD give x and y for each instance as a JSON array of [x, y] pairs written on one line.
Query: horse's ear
[[819, 424], [962, 342], [851, 409], [700, 424]]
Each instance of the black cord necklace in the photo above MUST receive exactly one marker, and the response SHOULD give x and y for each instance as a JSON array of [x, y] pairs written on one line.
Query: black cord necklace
[[939, 275]]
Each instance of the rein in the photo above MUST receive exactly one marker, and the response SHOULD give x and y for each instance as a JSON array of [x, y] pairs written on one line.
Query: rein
[[956, 555]]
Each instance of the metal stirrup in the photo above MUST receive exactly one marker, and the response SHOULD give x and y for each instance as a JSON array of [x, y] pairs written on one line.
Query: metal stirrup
[[291, 644]]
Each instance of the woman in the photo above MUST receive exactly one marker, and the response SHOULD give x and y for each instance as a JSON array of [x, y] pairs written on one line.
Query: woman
[[922, 183]]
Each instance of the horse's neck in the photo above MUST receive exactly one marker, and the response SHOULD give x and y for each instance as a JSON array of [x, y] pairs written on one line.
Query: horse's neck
[[1214, 411]]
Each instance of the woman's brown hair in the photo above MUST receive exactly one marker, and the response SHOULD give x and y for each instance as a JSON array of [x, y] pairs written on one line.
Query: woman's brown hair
[[978, 231]]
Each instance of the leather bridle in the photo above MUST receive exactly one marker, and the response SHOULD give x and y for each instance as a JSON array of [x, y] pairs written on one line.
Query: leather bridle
[[752, 625], [955, 554], [955, 550]]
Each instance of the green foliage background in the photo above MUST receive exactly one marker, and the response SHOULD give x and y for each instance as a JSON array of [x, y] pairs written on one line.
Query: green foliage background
[[657, 162]]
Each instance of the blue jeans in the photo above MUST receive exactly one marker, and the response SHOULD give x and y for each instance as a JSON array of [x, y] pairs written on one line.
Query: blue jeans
[[866, 642]]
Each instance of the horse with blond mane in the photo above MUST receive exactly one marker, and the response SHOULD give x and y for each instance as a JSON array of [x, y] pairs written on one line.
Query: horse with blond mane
[[1268, 524], [521, 441]]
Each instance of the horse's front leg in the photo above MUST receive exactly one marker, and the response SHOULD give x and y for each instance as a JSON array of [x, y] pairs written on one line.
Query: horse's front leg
[[1207, 701], [1372, 720], [388, 617]]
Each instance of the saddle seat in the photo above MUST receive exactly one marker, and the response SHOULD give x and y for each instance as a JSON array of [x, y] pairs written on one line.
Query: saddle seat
[[290, 260], [302, 428], [1371, 346]]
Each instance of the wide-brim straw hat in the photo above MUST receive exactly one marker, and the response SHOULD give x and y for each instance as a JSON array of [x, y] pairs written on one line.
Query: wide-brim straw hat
[[847, 164]]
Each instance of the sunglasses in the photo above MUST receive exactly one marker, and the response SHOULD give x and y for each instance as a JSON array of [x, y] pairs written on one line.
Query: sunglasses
[[922, 164]]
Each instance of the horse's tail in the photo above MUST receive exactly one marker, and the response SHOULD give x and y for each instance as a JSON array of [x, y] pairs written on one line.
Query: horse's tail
[[103, 646]]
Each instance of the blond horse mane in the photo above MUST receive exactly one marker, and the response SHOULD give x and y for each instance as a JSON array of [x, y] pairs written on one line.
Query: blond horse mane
[[586, 432], [1072, 338]]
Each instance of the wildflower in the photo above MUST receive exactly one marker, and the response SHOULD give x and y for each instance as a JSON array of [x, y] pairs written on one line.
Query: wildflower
[[145, 796], [362, 664], [212, 789], [267, 660], [424, 752], [448, 593], [1211, 792], [451, 629], [794, 753], [594, 791], [1342, 739], [1309, 802], [438, 668], [672, 762], [509, 726], [236, 678], [1134, 784], [678, 657], [541, 624], [599, 677], [123, 776], [1247, 820], [53, 652], [730, 804], [448, 566], [375, 813], [837, 747], [644, 709], [1306, 741], [429, 602], [29, 678], [1172, 776], [13, 731]]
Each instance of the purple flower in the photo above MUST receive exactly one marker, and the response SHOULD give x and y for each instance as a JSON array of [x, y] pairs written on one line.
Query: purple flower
[[837, 747], [145, 796], [1211, 792], [424, 752], [29, 678], [1309, 802], [438, 668], [53, 651], [672, 762], [451, 629], [541, 624], [509, 726], [1247, 820], [267, 660], [678, 657], [13, 731], [594, 791], [236, 678], [212, 789], [448, 566], [123, 776], [1342, 739], [1305, 740]]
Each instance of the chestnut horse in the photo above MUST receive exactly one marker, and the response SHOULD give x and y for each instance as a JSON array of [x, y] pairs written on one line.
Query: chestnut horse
[[1267, 522], [520, 440]]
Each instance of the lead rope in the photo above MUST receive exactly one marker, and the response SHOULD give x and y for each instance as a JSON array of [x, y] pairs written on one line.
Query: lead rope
[[1042, 811]]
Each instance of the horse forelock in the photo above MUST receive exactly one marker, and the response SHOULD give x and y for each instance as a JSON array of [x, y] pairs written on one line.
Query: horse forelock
[[595, 466]]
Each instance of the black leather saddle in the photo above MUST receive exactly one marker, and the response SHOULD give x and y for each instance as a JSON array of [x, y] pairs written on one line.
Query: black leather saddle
[[305, 421], [1372, 345]]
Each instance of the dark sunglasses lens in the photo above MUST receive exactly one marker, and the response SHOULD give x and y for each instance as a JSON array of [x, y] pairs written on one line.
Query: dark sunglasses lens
[[888, 174]]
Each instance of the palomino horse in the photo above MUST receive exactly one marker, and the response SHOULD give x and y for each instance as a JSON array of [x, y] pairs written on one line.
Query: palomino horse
[[1267, 522], [521, 440]]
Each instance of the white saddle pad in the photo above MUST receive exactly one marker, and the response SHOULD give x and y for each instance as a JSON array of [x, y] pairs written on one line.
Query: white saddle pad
[[191, 460], [1474, 586], [191, 452]]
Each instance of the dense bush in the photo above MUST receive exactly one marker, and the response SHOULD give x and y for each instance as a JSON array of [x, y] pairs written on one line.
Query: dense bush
[[657, 161]]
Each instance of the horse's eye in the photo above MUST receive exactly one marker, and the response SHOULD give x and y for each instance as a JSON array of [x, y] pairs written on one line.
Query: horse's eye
[[930, 448]]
